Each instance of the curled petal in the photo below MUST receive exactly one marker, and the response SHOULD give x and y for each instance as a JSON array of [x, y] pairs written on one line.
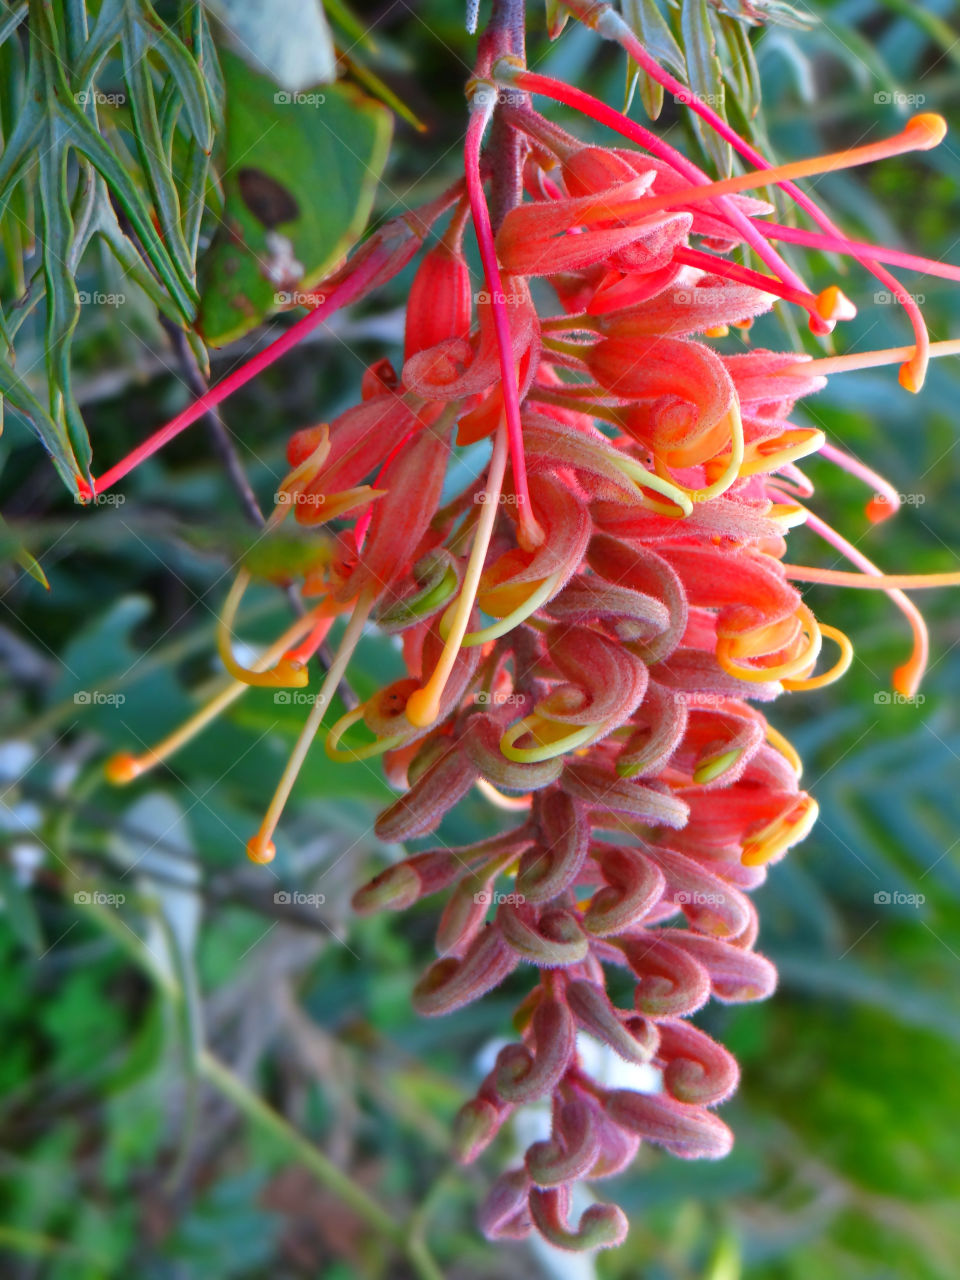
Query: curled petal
[[605, 681], [709, 903], [463, 915], [686, 309], [522, 1075], [602, 788], [618, 1147], [634, 886], [451, 983], [572, 1149], [482, 746], [660, 724], [505, 1215], [735, 975], [643, 570], [696, 1069], [553, 864], [602, 1226], [631, 615], [551, 939], [670, 981], [400, 886], [475, 1126], [635, 1039], [689, 1132], [434, 792]]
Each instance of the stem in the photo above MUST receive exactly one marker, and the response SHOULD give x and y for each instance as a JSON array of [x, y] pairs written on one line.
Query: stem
[[344, 293], [264, 1117]]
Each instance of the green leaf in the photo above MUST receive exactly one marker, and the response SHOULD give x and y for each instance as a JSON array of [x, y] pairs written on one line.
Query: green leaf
[[705, 77], [301, 172], [646, 21]]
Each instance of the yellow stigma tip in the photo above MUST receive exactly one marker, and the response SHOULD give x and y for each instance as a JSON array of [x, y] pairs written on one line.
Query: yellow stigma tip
[[930, 129], [122, 768], [260, 850], [422, 708]]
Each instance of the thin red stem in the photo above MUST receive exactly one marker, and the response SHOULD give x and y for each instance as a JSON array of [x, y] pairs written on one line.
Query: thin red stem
[[479, 117], [344, 293]]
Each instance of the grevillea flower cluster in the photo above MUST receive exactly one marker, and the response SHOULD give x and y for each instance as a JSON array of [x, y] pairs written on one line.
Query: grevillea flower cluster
[[591, 627]]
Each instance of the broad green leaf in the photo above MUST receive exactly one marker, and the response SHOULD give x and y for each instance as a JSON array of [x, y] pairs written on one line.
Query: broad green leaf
[[301, 171]]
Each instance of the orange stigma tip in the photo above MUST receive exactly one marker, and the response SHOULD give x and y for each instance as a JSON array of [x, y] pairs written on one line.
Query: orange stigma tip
[[879, 509], [260, 850], [911, 376], [833, 304], [122, 768], [928, 128], [718, 331]]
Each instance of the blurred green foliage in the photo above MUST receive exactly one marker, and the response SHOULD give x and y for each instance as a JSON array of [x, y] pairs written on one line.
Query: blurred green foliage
[[122, 1152]]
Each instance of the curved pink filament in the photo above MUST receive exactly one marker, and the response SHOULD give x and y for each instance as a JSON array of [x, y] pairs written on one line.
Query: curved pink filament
[[853, 248], [547, 87], [614, 28], [529, 530]]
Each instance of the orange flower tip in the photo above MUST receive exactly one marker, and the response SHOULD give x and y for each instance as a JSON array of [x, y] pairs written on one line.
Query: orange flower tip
[[423, 708], [912, 374], [123, 768], [260, 850], [832, 304], [906, 679], [718, 331], [926, 130], [880, 508]]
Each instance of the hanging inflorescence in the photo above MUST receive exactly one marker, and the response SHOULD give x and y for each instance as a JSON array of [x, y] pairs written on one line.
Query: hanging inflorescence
[[588, 627]]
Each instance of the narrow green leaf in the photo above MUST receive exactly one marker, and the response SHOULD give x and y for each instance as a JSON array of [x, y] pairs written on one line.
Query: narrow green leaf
[[705, 77], [646, 21]]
